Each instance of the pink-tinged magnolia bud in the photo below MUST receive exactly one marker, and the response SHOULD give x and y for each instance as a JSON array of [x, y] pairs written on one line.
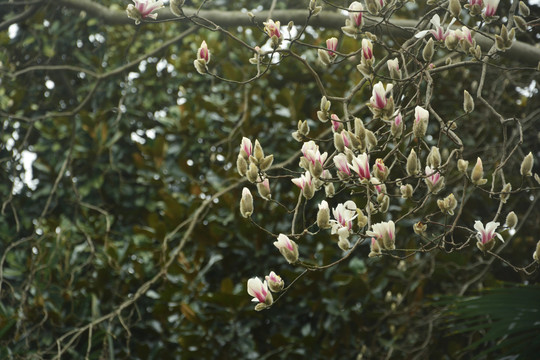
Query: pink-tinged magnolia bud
[[272, 29], [260, 293], [355, 14], [434, 180], [246, 148], [360, 165], [397, 126], [246, 203], [380, 170], [367, 49], [143, 9], [342, 165], [378, 99], [491, 8], [337, 125], [331, 44], [263, 188], [486, 235], [287, 248], [323, 215], [275, 283], [527, 165], [375, 249], [421, 120], [385, 232], [203, 53], [475, 2], [305, 183], [477, 173]]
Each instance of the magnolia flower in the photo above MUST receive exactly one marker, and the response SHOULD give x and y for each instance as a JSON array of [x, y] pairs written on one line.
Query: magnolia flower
[[143, 9], [305, 183], [434, 180], [272, 28], [393, 68], [367, 49], [331, 45], [464, 34], [355, 13], [360, 165], [342, 224], [385, 233], [486, 235], [287, 248], [397, 125], [491, 8], [342, 164], [260, 293], [475, 2], [203, 53], [275, 283], [310, 150], [378, 99], [438, 33]]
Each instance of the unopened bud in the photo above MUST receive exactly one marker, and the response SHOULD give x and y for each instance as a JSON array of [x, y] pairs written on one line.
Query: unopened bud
[[253, 173], [448, 204], [536, 254], [375, 249], [371, 139], [462, 165], [241, 165], [434, 157], [329, 190], [266, 162], [258, 151], [362, 219], [324, 57], [520, 23], [200, 66], [505, 192], [524, 9], [511, 220], [527, 165], [323, 215], [468, 102], [427, 53], [455, 8], [406, 191], [412, 163], [246, 203], [338, 142], [263, 188], [477, 173], [176, 7], [274, 281]]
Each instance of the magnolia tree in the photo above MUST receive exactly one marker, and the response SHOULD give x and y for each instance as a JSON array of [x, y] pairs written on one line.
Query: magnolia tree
[[409, 148]]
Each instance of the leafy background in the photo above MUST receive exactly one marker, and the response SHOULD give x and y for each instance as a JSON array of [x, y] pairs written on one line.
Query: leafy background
[[148, 148]]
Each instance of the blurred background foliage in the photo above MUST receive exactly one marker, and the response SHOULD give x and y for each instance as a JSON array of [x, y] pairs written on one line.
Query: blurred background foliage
[[120, 161]]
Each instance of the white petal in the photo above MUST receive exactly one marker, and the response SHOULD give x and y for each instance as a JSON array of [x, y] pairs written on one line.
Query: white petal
[[421, 34]]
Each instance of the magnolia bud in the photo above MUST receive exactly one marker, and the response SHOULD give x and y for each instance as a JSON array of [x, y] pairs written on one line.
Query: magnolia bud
[[477, 173], [524, 9], [505, 192], [176, 7], [448, 204], [536, 254], [419, 228], [462, 165], [511, 220], [520, 23], [384, 204], [287, 248], [375, 249], [200, 66], [537, 178], [252, 173], [324, 57], [371, 139], [266, 162], [323, 215], [421, 120], [527, 165], [338, 142], [329, 190], [241, 165], [455, 8], [427, 53], [468, 102], [274, 281], [406, 191], [325, 104], [263, 188], [258, 151], [434, 157], [412, 163], [246, 203], [451, 41], [362, 219]]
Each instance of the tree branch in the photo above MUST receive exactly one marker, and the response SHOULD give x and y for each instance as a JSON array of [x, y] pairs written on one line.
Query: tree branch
[[399, 28]]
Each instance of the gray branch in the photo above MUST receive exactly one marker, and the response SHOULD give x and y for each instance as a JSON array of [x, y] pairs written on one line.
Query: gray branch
[[399, 28]]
